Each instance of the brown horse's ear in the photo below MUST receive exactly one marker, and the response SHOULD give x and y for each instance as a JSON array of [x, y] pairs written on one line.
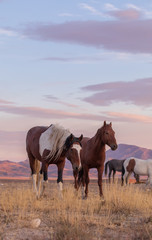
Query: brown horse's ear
[[71, 137], [104, 123], [80, 138]]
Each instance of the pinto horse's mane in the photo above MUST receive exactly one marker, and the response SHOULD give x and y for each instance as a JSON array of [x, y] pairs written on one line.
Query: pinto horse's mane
[[54, 139]]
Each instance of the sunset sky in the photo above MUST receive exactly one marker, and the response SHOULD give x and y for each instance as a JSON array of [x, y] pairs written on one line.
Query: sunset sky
[[76, 63]]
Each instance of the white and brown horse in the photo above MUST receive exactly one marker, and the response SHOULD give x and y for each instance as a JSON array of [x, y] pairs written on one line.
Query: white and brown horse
[[93, 155], [137, 166], [51, 145]]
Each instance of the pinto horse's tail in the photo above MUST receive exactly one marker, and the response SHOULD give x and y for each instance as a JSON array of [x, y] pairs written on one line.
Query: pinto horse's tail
[[106, 165]]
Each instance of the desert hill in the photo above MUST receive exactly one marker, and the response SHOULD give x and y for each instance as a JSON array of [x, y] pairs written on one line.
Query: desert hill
[[22, 169]]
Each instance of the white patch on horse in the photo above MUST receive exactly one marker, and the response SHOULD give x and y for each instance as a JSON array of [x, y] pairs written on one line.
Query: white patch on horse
[[78, 148], [53, 139], [142, 167], [34, 178], [60, 185]]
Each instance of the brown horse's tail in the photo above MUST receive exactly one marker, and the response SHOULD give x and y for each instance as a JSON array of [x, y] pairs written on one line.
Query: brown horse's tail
[[106, 165]]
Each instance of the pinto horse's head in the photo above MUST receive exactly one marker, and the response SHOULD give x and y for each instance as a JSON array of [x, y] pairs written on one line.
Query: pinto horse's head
[[108, 136], [73, 153]]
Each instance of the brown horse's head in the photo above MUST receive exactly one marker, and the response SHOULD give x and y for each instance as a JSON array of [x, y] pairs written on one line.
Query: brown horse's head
[[73, 153], [108, 135]]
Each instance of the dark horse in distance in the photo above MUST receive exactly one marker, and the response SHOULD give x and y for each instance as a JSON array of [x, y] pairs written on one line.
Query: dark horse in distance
[[93, 155], [51, 145], [116, 165]]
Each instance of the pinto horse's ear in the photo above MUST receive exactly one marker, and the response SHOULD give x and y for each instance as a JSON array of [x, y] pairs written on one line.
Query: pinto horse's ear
[[110, 124], [80, 138]]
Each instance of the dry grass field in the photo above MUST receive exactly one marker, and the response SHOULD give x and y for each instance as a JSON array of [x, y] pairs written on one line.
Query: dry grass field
[[126, 213]]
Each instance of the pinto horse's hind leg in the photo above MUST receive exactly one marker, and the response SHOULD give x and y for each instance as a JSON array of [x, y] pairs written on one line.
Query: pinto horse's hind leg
[[33, 166]]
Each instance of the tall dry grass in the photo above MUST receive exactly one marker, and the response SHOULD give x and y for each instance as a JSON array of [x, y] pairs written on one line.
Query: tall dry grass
[[74, 218]]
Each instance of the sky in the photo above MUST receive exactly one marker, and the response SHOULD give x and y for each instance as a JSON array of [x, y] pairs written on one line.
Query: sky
[[75, 63]]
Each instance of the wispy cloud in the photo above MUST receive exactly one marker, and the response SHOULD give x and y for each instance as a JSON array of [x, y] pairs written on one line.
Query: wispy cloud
[[55, 99], [127, 117], [5, 102], [91, 9], [80, 59], [111, 35], [137, 92], [7, 32], [37, 112]]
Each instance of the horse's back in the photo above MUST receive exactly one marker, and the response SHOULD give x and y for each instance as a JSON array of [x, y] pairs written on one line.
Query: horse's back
[[116, 164], [139, 166]]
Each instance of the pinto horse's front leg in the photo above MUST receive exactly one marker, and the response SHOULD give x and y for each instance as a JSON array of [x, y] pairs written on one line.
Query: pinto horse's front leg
[[60, 167]]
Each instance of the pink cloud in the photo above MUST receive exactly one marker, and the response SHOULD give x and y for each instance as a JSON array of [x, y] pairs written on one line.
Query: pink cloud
[[112, 35], [127, 117], [5, 102], [47, 113], [128, 14], [138, 92]]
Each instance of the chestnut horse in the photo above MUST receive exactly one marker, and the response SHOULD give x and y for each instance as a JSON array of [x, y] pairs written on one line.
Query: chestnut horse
[[93, 155], [51, 145]]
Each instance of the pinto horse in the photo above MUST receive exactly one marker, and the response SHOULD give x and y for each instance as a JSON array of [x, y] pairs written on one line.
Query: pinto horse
[[116, 165], [93, 155], [137, 166], [51, 145]]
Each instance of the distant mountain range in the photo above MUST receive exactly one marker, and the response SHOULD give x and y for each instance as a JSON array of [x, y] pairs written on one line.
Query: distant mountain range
[[22, 169]]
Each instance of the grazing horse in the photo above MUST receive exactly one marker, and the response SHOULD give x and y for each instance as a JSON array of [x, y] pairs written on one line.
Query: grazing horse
[[116, 165], [137, 166], [51, 145], [93, 155]]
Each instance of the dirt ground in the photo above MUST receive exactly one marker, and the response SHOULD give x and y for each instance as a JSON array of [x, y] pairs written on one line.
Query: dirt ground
[[64, 219]]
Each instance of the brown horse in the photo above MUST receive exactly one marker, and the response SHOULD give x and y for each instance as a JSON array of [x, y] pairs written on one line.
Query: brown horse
[[51, 145], [93, 155]]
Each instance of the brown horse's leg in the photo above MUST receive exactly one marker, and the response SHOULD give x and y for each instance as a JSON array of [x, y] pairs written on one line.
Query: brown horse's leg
[[100, 172], [85, 182], [75, 174], [110, 175], [60, 167], [114, 172]]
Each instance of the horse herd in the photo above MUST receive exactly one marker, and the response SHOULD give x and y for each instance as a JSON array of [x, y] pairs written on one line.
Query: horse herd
[[53, 144]]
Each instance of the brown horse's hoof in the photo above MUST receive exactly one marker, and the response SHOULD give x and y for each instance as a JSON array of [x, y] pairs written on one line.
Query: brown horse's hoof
[[102, 200], [84, 198]]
